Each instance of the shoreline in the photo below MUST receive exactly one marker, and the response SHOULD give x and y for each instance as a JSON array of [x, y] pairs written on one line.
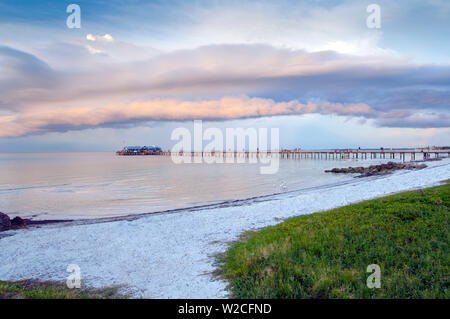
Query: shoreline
[[221, 204], [224, 204], [172, 255]]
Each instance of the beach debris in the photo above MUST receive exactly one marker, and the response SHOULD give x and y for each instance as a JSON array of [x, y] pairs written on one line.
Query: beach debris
[[376, 169], [5, 222]]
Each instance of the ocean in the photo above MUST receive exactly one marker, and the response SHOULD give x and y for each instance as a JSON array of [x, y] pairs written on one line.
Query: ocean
[[94, 185]]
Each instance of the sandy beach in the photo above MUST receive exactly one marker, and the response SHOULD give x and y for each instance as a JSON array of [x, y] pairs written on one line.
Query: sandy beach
[[172, 255]]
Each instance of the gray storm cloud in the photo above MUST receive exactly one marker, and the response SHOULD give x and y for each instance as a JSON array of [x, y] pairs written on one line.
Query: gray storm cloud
[[214, 82]]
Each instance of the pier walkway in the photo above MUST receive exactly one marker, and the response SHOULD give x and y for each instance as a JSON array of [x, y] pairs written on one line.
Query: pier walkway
[[402, 154]]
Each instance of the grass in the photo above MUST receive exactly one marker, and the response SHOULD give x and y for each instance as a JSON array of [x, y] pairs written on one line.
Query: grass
[[325, 255], [34, 289]]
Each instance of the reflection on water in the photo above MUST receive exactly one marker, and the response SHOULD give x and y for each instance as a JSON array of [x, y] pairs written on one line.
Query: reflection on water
[[86, 185]]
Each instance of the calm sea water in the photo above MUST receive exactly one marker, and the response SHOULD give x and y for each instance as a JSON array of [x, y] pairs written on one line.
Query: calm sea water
[[91, 185]]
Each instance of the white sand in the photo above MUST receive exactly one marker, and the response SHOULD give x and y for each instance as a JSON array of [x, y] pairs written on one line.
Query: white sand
[[170, 256]]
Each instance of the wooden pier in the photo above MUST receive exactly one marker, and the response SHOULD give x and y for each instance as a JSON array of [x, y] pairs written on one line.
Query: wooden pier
[[402, 154]]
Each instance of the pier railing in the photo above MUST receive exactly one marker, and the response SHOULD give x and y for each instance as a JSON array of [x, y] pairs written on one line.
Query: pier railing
[[317, 154]]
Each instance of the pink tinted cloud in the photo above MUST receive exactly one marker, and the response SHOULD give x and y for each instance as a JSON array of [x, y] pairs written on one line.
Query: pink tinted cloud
[[67, 118]]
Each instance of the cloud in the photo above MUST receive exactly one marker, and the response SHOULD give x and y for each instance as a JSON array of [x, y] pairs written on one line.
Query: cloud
[[81, 54], [227, 108], [63, 119], [204, 83], [107, 38], [94, 50], [101, 38], [420, 120]]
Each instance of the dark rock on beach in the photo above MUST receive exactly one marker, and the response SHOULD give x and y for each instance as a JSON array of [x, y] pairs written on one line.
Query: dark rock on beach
[[5, 222], [18, 222], [381, 169]]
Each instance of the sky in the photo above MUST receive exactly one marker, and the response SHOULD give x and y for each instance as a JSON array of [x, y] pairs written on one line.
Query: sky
[[136, 70]]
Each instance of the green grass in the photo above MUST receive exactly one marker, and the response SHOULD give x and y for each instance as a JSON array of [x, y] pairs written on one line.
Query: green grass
[[325, 255], [33, 289]]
